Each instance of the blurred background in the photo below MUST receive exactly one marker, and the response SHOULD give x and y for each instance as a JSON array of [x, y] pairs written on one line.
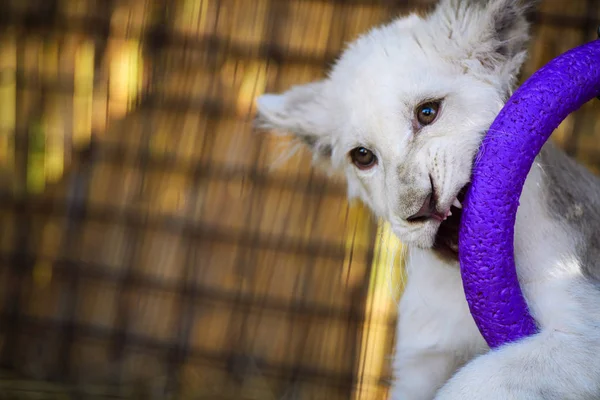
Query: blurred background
[[152, 245]]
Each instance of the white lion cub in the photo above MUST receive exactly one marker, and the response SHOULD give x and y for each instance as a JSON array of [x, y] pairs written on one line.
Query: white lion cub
[[402, 115]]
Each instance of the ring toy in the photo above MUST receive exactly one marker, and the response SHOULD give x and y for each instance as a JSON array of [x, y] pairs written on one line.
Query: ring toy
[[486, 235]]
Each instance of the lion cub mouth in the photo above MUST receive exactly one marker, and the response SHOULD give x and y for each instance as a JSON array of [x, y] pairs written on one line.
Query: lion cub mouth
[[446, 239]]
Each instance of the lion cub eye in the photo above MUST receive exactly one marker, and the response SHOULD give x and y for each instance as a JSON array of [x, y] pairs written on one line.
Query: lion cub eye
[[427, 113], [363, 158]]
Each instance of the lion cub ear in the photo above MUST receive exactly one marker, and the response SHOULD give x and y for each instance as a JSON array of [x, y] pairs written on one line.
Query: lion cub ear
[[489, 34], [301, 111]]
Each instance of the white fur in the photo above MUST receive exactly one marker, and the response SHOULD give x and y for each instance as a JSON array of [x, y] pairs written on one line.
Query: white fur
[[368, 100]]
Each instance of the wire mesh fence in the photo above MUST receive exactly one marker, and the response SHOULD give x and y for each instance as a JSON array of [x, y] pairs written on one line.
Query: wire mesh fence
[[152, 245]]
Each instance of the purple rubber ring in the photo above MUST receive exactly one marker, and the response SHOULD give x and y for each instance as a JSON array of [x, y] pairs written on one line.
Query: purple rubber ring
[[486, 250]]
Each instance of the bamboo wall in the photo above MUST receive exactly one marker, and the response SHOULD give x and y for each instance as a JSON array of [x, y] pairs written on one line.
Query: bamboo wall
[[151, 244]]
